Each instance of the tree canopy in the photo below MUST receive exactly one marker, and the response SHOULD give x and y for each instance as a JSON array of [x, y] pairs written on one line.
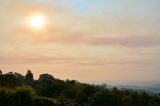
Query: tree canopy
[[19, 90]]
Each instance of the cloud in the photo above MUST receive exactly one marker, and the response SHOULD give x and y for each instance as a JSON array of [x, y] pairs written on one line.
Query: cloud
[[130, 41], [73, 38], [23, 7], [70, 29], [66, 36], [22, 58]]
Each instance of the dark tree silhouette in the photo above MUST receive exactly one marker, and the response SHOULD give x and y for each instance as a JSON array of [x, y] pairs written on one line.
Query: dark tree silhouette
[[50, 91], [46, 77], [29, 77], [0, 72], [9, 80]]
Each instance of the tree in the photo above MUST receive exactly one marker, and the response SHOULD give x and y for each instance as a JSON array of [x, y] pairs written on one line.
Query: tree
[[0, 72], [46, 77], [29, 77], [20, 78], [9, 80], [22, 96], [102, 98], [71, 82]]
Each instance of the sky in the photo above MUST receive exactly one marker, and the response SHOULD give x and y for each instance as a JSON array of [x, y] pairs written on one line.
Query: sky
[[87, 40]]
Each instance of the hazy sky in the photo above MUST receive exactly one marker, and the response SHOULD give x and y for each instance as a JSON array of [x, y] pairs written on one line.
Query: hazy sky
[[86, 40]]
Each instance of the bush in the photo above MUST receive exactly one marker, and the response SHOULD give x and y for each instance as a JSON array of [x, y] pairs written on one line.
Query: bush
[[42, 101], [5, 96], [23, 96]]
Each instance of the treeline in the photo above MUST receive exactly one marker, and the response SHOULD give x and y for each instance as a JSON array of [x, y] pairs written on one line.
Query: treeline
[[19, 90]]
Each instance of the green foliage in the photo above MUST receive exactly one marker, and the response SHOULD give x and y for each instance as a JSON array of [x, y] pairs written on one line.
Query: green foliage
[[19, 90], [102, 98], [5, 96], [24, 90], [42, 101], [23, 96]]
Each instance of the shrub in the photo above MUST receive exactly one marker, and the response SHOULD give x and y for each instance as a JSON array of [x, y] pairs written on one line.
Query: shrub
[[42, 101], [23, 96]]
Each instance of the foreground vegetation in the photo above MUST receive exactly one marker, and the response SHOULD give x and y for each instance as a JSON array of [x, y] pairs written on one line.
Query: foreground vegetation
[[19, 90]]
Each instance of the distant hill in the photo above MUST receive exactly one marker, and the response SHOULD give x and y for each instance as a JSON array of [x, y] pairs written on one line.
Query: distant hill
[[150, 89]]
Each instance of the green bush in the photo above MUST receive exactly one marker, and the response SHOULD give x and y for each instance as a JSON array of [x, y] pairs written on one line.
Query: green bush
[[5, 96], [43, 101], [69, 92], [23, 96]]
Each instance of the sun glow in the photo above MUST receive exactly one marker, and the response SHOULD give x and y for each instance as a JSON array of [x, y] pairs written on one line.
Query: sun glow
[[36, 21]]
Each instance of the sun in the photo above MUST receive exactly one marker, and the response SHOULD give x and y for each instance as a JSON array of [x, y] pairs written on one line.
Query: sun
[[36, 21]]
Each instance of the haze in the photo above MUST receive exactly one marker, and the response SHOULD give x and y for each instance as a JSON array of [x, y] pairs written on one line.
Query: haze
[[86, 40]]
